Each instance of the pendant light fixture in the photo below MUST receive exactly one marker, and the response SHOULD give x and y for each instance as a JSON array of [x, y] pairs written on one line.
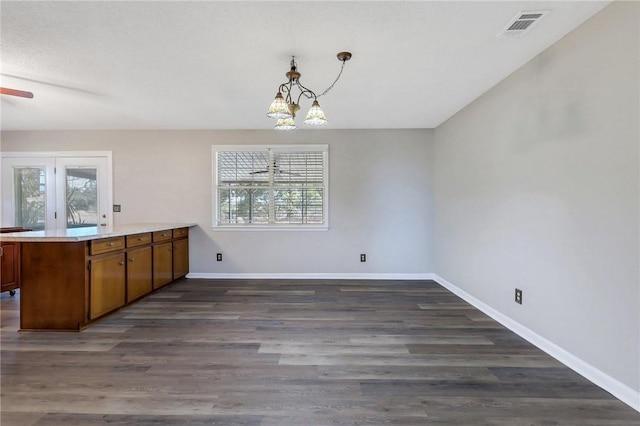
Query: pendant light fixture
[[287, 103], [288, 123]]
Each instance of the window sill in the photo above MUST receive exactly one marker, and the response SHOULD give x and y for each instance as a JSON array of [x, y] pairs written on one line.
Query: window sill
[[259, 228]]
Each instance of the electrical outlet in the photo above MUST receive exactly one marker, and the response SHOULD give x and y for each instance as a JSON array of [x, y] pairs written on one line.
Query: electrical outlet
[[117, 208], [518, 296], [219, 257], [363, 257]]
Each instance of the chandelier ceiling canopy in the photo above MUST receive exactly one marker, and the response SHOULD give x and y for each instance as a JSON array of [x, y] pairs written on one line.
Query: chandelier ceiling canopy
[[287, 101]]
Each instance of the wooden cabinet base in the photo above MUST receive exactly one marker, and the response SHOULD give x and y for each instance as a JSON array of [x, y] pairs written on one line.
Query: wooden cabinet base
[[54, 293]]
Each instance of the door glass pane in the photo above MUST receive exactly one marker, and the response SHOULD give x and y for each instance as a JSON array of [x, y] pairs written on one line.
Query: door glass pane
[[82, 197], [30, 197]]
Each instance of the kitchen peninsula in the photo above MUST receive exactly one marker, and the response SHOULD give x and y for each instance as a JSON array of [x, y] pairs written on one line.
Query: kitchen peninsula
[[72, 277]]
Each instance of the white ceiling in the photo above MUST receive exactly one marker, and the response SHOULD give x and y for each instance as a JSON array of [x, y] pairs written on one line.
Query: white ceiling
[[217, 65]]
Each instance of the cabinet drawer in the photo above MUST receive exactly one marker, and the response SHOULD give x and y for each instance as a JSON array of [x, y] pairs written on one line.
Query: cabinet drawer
[[138, 239], [180, 232], [162, 235], [106, 245]]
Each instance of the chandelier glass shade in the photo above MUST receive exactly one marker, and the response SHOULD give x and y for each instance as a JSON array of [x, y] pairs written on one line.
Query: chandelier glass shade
[[287, 100], [279, 108], [315, 116], [285, 124]]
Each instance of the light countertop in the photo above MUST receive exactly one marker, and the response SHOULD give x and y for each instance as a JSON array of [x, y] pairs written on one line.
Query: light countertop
[[89, 233]]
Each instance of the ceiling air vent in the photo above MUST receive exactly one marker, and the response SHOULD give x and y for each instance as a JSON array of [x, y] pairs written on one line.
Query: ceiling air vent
[[522, 23]]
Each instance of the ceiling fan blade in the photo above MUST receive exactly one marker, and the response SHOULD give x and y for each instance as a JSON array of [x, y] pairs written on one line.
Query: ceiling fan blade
[[287, 172], [13, 92], [258, 172]]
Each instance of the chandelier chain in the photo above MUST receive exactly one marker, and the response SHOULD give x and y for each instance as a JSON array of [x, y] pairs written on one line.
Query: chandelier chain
[[334, 82]]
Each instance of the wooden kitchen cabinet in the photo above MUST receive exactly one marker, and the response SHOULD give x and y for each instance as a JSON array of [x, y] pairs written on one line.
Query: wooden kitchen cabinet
[[139, 273], [68, 284], [138, 239], [162, 236], [54, 292], [180, 255], [106, 245], [162, 264], [10, 268], [10, 262], [107, 284], [180, 233]]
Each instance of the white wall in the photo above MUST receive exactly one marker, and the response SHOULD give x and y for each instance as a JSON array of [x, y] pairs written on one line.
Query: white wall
[[380, 197], [537, 187]]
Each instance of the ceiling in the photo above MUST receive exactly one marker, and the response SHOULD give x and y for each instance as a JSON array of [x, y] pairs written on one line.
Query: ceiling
[[218, 64]]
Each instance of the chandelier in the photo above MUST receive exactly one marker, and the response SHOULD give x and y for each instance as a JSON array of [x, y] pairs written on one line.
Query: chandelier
[[286, 104]]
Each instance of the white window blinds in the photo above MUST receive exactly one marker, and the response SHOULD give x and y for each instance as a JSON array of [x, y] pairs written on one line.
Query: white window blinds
[[271, 186]]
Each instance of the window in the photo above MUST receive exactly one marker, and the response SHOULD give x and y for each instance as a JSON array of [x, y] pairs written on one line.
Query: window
[[56, 190], [270, 187]]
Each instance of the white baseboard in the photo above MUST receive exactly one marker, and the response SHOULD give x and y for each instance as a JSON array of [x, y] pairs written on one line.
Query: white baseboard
[[312, 276], [618, 389]]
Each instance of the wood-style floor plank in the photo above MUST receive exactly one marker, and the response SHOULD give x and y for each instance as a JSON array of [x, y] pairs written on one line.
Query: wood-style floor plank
[[282, 352]]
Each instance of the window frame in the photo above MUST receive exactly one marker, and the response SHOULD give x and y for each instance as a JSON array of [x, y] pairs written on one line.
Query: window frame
[[216, 225], [55, 190]]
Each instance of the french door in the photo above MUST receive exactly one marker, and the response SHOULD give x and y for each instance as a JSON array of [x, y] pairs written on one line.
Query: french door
[[49, 191]]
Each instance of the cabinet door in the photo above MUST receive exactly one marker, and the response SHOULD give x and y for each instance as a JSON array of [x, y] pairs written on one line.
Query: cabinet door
[[139, 271], [162, 264], [180, 258], [10, 266], [107, 284]]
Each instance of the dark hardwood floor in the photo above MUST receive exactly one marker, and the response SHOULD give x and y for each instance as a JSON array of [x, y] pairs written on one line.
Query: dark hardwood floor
[[274, 352]]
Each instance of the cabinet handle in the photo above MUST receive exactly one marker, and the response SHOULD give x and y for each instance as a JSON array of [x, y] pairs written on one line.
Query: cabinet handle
[[140, 239], [131, 259], [110, 244], [121, 263]]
